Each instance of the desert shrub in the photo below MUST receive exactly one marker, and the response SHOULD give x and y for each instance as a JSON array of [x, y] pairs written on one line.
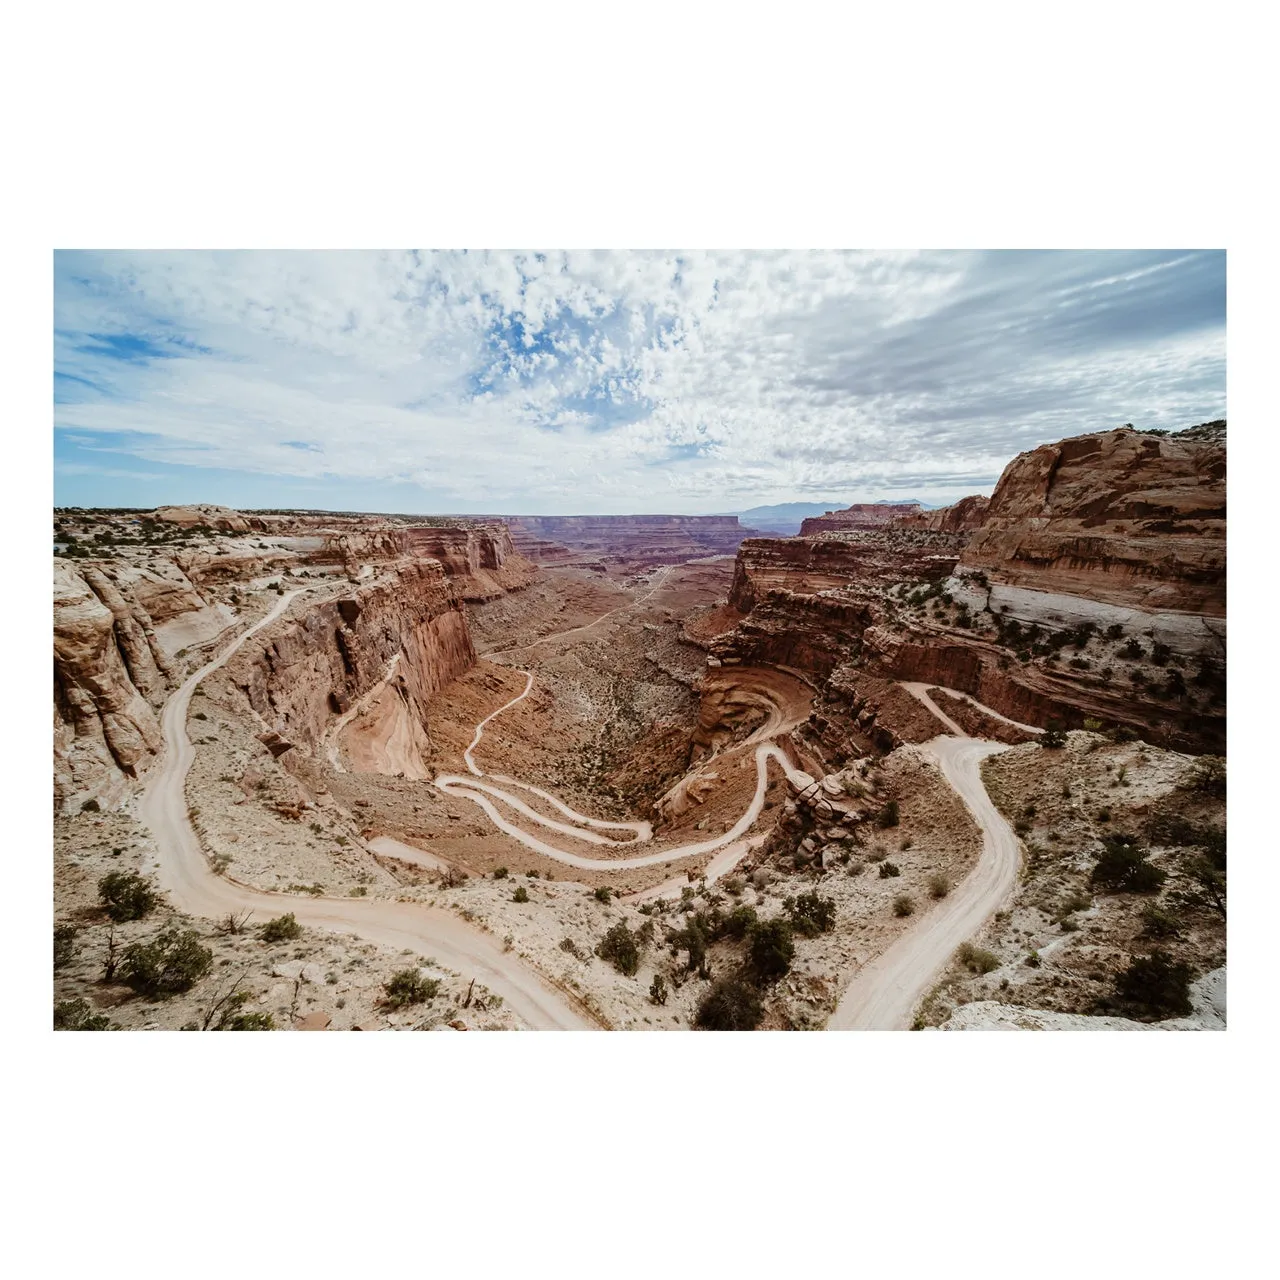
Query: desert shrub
[[977, 959], [407, 987], [76, 1015], [1159, 653], [568, 944], [731, 1005], [172, 962], [903, 905], [64, 945], [90, 806], [739, 922], [889, 869], [658, 990], [1132, 650], [232, 1018], [693, 939], [1122, 867], [888, 816], [282, 929], [619, 948], [1054, 736], [810, 913], [1210, 776], [771, 950], [521, 894], [939, 885], [1114, 631], [1159, 923], [500, 873], [1156, 986], [603, 893], [1033, 960], [125, 895]]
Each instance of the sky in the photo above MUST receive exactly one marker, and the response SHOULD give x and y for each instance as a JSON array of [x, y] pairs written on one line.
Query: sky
[[592, 382]]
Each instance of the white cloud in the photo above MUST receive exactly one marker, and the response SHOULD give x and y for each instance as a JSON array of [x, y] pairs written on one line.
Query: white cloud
[[611, 381]]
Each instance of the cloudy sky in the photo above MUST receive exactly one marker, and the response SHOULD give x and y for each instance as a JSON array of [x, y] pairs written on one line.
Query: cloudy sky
[[610, 382]]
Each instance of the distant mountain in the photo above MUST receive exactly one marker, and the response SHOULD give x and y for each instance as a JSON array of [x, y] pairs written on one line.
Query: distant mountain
[[786, 517]]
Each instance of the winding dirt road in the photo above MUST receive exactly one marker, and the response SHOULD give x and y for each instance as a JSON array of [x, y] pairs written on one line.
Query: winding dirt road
[[184, 873], [884, 993]]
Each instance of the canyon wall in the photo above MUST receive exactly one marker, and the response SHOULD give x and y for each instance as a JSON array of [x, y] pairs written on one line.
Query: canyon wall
[[960, 517], [109, 676], [1133, 520], [861, 515], [805, 565], [1090, 587], [309, 669], [638, 541], [480, 560]]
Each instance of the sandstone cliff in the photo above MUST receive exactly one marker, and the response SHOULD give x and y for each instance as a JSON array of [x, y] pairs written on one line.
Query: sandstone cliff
[[480, 560], [961, 517], [310, 669], [808, 565], [1093, 589], [1120, 517], [104, 665], [861, 515]]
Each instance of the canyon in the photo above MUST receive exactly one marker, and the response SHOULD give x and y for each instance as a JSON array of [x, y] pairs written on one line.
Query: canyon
[[580, 734]]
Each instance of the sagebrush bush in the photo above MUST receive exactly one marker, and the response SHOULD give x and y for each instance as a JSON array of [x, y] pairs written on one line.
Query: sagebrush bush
[[620, 949], [521, 894], [408, 986], [771, 950], [282, 929], [1159, 923], [64, 945], [810, 913], [730, 1005], [658, 990], [903, 905], [172, 962], [977, 959], [125, 895], [888, 816], [1122, 867], [1156, 986], [76, 1015], [939, 885], [739, 922], [603, 893], [889, 869]]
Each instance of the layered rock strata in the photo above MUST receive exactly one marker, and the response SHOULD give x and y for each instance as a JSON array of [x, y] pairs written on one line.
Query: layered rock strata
[[315, 667], [109, 675], [861, 515]]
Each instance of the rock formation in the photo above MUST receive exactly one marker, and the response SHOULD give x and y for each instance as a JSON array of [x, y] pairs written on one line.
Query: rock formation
[[961, 517], [311, 668], [861, 515], [1092, 589], [1116, 528], [104, 728]]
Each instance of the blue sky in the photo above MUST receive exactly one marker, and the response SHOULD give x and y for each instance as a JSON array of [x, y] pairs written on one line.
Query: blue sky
[[593, 382]]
